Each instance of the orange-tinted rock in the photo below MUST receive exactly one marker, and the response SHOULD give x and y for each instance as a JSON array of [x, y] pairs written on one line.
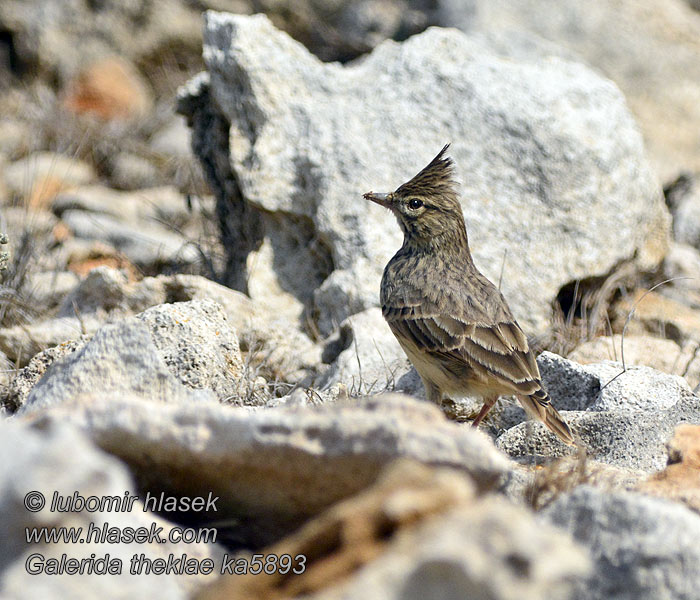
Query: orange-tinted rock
[[645, 350], [102, 255], [44, 190], [657, 314], [680, 480], [110, 89]]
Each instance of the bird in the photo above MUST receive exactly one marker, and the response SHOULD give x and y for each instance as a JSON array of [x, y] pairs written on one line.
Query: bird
[[454, 325]]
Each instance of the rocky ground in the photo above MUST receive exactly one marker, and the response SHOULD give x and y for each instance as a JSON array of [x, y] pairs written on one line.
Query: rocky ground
[[189, 283]]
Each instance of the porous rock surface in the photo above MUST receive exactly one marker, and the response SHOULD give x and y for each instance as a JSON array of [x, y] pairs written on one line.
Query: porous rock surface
[[623, 419], [156, 355], [535, 143]]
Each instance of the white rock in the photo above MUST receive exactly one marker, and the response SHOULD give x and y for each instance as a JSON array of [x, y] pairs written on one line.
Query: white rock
[[627, 424], [535, 142], [650, 49], [372, 360], [183, 351]]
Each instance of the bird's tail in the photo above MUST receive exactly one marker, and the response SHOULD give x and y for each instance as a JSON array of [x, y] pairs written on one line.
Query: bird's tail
[[539, 406]]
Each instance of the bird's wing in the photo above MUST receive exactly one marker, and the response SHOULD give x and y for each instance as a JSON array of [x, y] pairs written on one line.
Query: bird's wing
[[486, 339]]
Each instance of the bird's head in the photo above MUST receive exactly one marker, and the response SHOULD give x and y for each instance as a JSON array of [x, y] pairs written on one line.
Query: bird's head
[[426, 206]]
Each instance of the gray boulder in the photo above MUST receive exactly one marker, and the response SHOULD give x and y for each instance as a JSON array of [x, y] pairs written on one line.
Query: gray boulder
[[604, 385], [534, 142], [198, 346], [623, 420], [642, 548], [275, 468]]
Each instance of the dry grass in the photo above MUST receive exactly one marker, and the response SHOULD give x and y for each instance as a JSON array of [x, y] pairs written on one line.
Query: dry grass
[[557, 478], [587, 311], [16, 305]]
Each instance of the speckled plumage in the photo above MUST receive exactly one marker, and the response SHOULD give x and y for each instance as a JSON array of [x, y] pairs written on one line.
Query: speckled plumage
[[452, 322]]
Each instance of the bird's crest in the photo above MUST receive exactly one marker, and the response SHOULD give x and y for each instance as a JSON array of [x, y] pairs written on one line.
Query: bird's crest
[[436, 178]]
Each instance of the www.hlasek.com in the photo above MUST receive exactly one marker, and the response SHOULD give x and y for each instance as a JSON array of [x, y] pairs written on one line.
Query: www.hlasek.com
[[139, 563]]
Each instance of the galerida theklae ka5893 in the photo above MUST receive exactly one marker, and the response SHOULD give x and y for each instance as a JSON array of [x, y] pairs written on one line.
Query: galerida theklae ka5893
[[451, 321]]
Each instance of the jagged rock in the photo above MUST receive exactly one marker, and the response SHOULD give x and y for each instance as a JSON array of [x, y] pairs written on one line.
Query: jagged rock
[[162, 354], [25, 379], [642, 548], [198, 346], [275, 468], [568, 135]]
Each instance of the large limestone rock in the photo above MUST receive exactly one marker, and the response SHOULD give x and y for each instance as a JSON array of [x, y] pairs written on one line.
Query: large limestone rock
[[623, 419], [650, 49], [275, 468], [162, 354], [546, 150]]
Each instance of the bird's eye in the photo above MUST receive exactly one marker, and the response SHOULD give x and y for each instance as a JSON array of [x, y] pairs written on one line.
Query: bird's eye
[[415, 204]]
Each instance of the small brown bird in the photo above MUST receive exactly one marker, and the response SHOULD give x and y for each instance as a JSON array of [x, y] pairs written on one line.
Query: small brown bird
[[451, 321]]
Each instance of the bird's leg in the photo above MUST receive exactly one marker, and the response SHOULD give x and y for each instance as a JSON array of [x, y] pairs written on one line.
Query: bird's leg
[[432, 392], [488, 405], [447, 405]]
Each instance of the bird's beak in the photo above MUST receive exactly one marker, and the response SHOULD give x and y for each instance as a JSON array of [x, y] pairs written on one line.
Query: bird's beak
[[381, 199]]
